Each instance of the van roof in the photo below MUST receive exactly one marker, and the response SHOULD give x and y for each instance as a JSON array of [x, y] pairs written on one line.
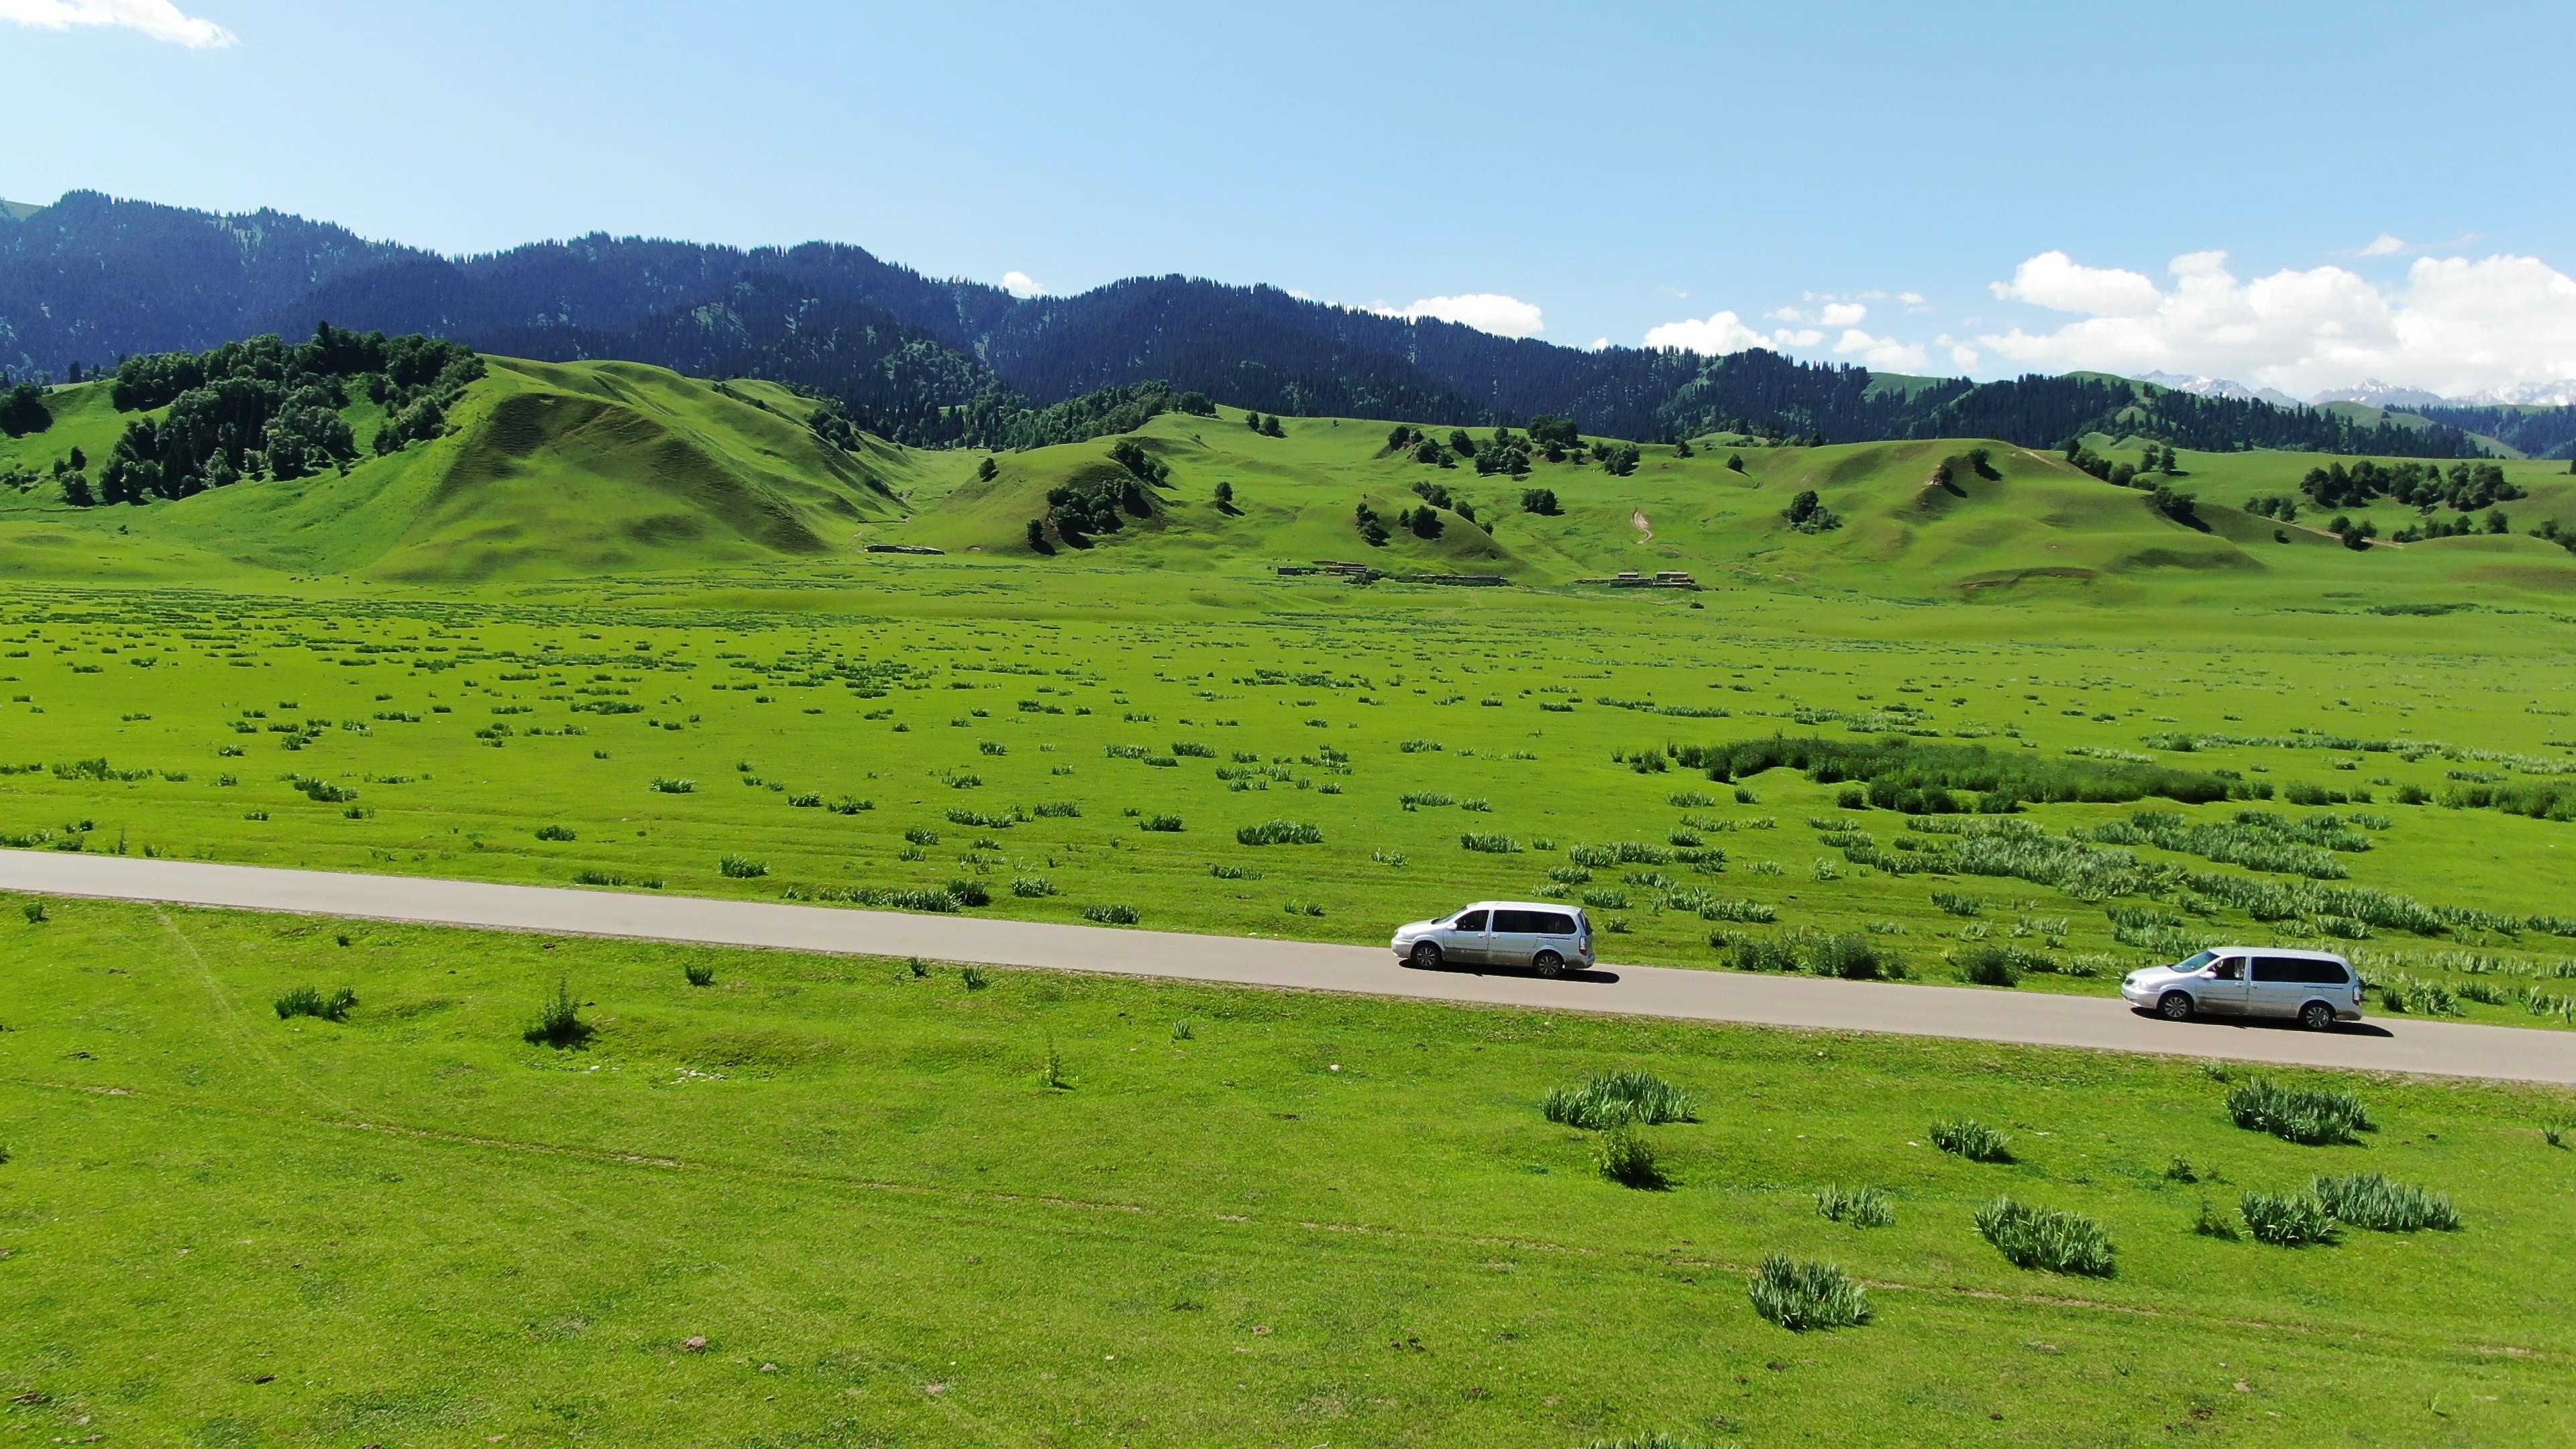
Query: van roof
[[1522, 906], [2291, 951]]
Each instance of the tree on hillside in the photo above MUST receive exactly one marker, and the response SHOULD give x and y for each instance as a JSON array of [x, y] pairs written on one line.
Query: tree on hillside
[[1808, 514], [1461, 444], [1541, 501], [1399, 437], [1371, 528], [23, 411], [1270, 427], [1196, 404], [1224, 496], [1038, 538], [1682, 449], [988, 470], [2173, 503], [1735, 462], [1252, 421]]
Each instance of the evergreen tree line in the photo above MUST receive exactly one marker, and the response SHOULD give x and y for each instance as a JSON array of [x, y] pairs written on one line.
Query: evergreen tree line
[[265, 409], [2466, 487]]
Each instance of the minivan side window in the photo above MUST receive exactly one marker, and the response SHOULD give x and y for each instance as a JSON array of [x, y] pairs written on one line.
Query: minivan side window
[[1533, 923], [1472, 921], [2298, 970], [2230, 969]]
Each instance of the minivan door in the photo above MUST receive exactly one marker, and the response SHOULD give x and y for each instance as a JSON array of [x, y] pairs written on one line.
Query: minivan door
[[2281, 985], [1466, 940], [2222, 988]]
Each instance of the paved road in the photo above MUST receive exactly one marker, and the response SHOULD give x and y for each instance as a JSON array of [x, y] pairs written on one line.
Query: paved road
[[2400, 1045]]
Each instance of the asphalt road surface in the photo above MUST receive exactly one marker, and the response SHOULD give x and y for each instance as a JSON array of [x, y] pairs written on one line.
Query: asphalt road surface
[[2401, 1044]]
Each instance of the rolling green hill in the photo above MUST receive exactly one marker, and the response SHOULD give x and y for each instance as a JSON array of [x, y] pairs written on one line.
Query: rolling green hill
[[584, 469]]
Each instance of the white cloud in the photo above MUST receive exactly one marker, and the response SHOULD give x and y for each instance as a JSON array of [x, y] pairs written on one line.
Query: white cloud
[[1600, 342], [2386, 244], [1713, 336], [2054, 280], [158, 19], [1787, 314], [2454, 325], [1018, 284], [1910, 299], [1801, 337], [1842, 314], [1963, 358], [1884, 353], [1485, 311]]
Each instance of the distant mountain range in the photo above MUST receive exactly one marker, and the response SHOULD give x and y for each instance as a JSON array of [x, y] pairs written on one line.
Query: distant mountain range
[[92, 279], [2377, 394]]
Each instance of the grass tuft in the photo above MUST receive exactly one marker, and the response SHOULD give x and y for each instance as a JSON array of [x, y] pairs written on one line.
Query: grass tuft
[[1616, 1099], [739, 867], [2287, 1219], [2370, 1200], [2047, 1238], [1802, 1297], [1862, 1207], [1280, 832], [559, 1024], [1972, 1140], [309, 1001], [699, 974], [2311, 1116], [1623, 1157]]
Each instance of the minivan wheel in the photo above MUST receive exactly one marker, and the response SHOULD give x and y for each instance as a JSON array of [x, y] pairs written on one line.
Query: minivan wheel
[[2176, 1006], [1548, 964], [2316, 1016], [1426, 956]]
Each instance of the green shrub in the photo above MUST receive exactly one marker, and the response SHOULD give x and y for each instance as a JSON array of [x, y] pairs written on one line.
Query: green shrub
[[309, 1001], [2556, 1128], [1803, 1296], [2308, 1115], [1854, 957], [1655, 1440], [738, 867], [2214, 1224], [1623, 1157], [1989, 966], [1615, 1099], [1111, 915], [969, 893], [1862, 1207], [2036, 1237], [1052, 1075], [669, 786], [1957, 904], [1972, 1140], [2370, 1200], [556, 832], [1032, 887], [699, 974], [559, 1022], [613, 878], [35, 913], [1729, 909], [1279, 832], [1166, 824], [974, 978], [2287, 1219], [1489, 844]]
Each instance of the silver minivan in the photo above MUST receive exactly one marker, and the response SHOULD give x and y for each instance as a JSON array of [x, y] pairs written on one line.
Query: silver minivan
[[2314, 988], [1542, 936]]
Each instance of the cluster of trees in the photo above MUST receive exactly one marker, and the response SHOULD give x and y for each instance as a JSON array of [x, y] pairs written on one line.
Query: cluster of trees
[[261, 409], [1093, 503], [2460, 527], [1267, 427], [1439, 496], [2175, 504], [1140, 464], [2274, 505], [2465, 487], [2355, 536], [1618, 461], [1808, 514], [2119, 475], [1372, 528], [2563, 537], [1541, 501], [23, 410]]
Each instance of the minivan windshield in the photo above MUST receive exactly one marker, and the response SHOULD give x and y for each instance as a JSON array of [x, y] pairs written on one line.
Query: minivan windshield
[[2197, 962]]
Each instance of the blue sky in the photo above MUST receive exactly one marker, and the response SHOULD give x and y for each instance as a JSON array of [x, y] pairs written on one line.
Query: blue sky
[[2387, 184]]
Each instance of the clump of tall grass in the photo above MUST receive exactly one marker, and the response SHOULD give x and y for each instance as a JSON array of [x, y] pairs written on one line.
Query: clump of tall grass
[[1854, 957], [556, 832], [2557, 1127], [1862, 1207], [35, 913], [974, 978], [699, 974], [1111, 915], [309, 1001], [1804, 1296], [1989, 965], [1280, 832], [1614, 1099], [2311, 1116], [1972, 1140], [1162, 824], [614, 878], [559, 1022], [2409, 996], [1032, 887], [2370, 1200], [1623, 1157], [1052, 1074], [669, 786], [741, 867], [2048, 1238], [1488, 843], [2287, 1219], [1957, 904]]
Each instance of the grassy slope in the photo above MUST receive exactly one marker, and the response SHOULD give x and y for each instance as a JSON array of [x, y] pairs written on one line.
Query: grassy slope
[[2039, 521], [548, 470], [1312, 1221]]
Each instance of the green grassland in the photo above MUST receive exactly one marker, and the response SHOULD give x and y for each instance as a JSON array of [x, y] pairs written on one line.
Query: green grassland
[[1297, 1221], [616, 627]]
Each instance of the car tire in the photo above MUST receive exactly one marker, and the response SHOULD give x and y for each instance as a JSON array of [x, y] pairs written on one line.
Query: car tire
[[2317, 1016], [1425, 957], [2175, 1006], [1548, 964]]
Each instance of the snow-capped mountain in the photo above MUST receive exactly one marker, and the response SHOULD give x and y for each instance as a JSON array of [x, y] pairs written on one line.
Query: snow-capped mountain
[[2219, 387], [2371, 392], [2524, 394]]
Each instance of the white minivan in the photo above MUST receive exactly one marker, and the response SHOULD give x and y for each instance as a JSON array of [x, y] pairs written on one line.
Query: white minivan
[[2314, 988], [1541, 936]]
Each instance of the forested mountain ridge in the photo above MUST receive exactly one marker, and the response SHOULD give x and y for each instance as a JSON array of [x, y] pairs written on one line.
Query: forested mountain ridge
[[91, 279]]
